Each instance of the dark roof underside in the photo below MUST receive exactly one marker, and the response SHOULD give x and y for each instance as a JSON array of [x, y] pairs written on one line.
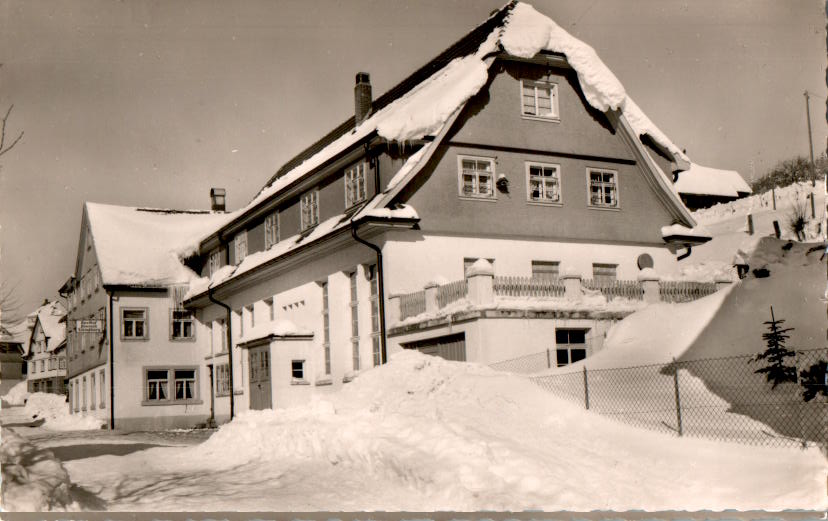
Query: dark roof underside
[[463, 47]]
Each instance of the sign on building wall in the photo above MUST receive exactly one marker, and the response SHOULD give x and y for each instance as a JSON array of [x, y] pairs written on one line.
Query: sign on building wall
[[89, 325]]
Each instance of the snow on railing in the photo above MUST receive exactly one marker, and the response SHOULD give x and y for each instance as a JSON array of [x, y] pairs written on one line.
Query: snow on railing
[[528, 287], [611, 289], [684, 291], [412, 304], [451, 292]]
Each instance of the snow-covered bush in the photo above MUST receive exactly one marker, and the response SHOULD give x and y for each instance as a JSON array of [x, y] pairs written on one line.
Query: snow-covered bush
[[33, 480]]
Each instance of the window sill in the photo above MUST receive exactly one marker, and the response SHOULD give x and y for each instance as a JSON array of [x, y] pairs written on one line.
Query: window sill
[[544, 203], [171, 402], [134, 339], [299, 381], [238, 392], [324, 381], [483, 199], [187, 339], [350, 376], [604, 208], [548, 119]]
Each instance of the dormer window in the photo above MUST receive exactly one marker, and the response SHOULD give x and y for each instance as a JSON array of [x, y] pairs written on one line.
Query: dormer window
[[355, 184], [539, 99], [240, 243], [310, 209]]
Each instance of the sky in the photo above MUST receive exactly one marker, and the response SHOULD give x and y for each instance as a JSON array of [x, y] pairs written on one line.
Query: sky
[[149, 103]]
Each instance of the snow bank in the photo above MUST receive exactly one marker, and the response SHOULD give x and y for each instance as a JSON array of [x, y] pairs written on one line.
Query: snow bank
[[55, 410], [439, 435], [33, 480], [17, 395]]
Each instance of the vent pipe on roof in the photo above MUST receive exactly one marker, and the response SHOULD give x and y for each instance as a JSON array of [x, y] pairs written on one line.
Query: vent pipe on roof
[[217, 199], [362, 97]]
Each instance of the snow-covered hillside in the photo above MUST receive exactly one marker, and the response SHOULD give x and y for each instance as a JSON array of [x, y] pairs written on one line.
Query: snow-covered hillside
[[727, 223]]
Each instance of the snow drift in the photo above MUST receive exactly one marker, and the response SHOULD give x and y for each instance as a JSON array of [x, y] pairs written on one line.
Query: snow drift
[[455, 436], [54, 409], [17, 395]]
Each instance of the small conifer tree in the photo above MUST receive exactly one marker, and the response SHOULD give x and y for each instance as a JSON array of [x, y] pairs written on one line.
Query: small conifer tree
[[776, 355]]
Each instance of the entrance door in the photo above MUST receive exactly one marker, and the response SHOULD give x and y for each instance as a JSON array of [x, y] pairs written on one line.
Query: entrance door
[[260, 397]]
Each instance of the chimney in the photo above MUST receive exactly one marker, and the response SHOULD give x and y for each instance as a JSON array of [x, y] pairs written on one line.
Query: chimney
[[362, 97], [217, 203]]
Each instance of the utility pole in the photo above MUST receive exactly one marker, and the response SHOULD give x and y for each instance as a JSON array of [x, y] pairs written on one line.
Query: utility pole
[[810, 139]]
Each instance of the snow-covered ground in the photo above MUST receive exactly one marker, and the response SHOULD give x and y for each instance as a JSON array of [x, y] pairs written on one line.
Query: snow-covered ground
[[426, 434]]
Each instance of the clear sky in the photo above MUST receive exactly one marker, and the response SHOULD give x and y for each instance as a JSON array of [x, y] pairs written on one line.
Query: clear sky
[[150, 103]]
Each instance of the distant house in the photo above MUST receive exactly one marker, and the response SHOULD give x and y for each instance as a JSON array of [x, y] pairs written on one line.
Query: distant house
[[703, 187], [435, 217], [13, 367], [45, 353], [134, 359]]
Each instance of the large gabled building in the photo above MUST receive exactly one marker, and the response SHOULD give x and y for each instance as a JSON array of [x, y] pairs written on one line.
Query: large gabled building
[[514, 159]]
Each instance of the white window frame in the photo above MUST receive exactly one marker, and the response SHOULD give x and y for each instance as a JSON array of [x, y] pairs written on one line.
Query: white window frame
[[214, 262], [102, 387], [354, 305], [182, 320], [552, 87], [309, 209], [145, 321], [271, 229], [172, 388], [376, 347], [301, 377], [542, 183], [240, 246], [92, 391], [601, 205], [491, 195], [355, 184], [223, 379], [607, 267]]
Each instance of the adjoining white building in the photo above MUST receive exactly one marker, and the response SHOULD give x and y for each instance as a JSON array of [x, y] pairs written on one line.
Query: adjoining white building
[[134, 357]]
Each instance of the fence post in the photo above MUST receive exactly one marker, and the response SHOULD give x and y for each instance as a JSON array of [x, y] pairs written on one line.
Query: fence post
[[776, 229], [813, 208], [394, 311], [750, 224], [773, 193], [678, 397], [572, 284], [586, 389], [548, 359], [480, 277], [431, 303], [649, 280]]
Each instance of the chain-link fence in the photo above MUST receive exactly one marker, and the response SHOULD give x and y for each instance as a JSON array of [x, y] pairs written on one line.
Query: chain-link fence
[[715, 398]]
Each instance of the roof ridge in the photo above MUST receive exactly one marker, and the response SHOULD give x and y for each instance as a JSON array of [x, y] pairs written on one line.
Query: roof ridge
[[466, 45]]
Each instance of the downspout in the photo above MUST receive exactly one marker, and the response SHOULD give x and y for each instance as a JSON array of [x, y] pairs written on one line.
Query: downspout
[[111, 367], [685, 254], [380, 289], [229, 329]]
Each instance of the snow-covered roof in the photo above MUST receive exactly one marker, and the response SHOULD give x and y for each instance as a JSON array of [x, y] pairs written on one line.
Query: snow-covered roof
[[50, 316], [277, 328], [15, 333], [142, 247], [681, 233], [703, 180]]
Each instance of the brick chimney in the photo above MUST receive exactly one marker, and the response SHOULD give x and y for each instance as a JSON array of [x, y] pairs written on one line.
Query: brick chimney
[[217, 199], [362, 96]]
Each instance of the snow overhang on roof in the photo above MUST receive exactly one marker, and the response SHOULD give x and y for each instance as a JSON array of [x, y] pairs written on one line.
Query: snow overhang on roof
[[680, 234], [279, 329], [143, 247], [703, 180]]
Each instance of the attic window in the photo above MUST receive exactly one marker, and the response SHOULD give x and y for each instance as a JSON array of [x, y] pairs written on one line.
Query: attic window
[[539, 99]]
